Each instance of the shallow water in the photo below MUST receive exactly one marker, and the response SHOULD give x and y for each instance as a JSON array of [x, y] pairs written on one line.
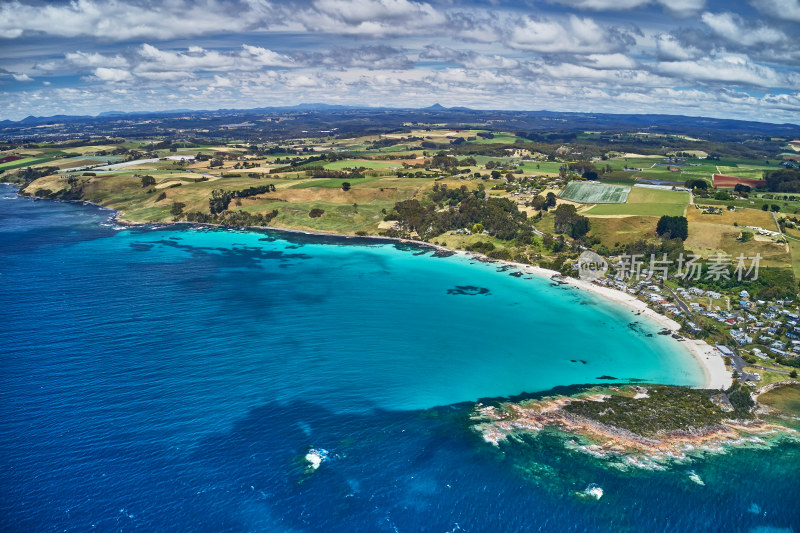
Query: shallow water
[[175, 378]]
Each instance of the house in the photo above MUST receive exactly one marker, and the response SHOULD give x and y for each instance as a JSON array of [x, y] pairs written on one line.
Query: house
[[724, 350], [744, 294]]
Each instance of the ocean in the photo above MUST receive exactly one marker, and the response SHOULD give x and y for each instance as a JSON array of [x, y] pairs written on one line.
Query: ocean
[[183, 378]]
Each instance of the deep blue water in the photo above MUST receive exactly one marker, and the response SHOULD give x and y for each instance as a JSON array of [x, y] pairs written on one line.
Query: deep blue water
[[173, 379]]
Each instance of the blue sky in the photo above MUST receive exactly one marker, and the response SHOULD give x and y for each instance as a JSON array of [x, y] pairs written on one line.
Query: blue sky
[[695, 57]]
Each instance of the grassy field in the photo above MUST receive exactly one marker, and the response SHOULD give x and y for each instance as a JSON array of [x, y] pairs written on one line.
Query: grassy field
[[646, 202], [625, 230], [22, 163], [742, 217], [358, 163], [755, 201], [711, 234], [338, 218], [708, 239], [498, 138], [540, 167], [793, 239], [334, 183], [749, 173], [594, 193]]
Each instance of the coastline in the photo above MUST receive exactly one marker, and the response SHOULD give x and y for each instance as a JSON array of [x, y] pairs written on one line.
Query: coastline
[[716, 375]]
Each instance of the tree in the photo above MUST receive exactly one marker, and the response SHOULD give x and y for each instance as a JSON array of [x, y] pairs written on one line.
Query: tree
[[316, 212], [219, 201], [775, 208], [477, 228], [765, 207], [747, 236], [696, 184], [550, 200], [722, 195], [346, 186], [793, 374], [568, 221], [177, 208], [580, 227], [673, 227], [148, 181]]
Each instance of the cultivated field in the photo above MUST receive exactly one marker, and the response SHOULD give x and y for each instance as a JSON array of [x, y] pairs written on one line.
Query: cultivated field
[[586, 192], [723, 180], [646, 202]]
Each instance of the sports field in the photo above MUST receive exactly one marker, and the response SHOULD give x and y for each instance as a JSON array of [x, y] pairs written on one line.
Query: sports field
[[587, 192]]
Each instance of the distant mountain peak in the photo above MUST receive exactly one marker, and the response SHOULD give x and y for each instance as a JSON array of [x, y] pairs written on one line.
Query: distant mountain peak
[[436, 107]]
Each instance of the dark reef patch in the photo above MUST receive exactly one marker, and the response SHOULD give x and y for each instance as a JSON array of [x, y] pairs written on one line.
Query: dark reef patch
[[468, 290]]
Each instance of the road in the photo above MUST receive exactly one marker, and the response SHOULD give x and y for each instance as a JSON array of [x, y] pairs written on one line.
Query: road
[[681, 304], [738, 367]]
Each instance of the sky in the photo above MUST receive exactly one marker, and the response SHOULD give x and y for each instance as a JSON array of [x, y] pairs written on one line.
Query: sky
[[724, 59]]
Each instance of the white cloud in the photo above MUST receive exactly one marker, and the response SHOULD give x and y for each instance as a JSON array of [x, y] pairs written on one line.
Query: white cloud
[[268, 58], [356, 12], [729, 69], [468, 58], [670, 49], [678, 7], [779, 9], [732, 28], [610, 61], [153, 59], [22, 77], [112, 74], [119, 20], [369, 17], [575, 35], [94, 59]]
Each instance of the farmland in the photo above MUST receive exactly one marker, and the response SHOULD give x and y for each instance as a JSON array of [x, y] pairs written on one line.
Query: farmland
[[595, 193], [646, 202], [724, 180]]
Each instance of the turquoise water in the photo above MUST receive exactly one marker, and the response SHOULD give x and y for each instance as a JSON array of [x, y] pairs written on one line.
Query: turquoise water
[[174, 378]]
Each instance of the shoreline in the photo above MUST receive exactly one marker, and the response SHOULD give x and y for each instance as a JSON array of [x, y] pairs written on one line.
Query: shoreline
[[713, 366]]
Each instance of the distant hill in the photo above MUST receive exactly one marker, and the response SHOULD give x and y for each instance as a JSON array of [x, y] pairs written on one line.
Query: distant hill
[[323, 117]]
